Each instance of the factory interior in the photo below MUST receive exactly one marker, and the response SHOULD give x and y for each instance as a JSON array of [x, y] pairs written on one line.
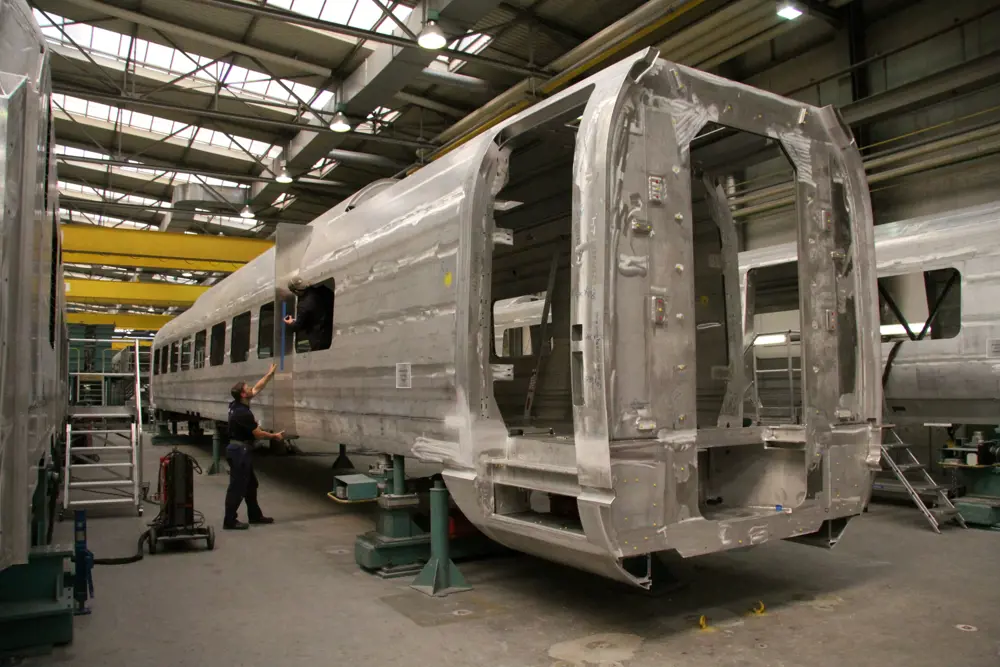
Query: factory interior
[[545, 333]]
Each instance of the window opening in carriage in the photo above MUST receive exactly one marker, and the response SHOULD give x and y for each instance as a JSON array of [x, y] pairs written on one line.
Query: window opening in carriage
[[239, 346], [517, 326], [156, 361], [199, 349], [320, 322], [174, 356], [164, 359], [55, 256], [531, 269], [928, 302], [265, 331], [217, 351], [186, 353]]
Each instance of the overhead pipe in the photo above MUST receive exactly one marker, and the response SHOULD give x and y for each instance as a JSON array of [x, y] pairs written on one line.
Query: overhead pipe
[[990, 133], [368, 159], [197, 35], [743, 47], [433, 105], [642, 22], [706, 33], [455, 80], [876, 163]]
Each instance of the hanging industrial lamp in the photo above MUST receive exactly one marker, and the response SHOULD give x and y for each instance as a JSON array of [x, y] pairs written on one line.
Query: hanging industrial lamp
[[431, 37], [247, 213], [283, 176]]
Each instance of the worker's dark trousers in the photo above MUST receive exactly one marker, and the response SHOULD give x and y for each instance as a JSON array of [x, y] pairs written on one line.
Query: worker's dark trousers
[[242, 483]]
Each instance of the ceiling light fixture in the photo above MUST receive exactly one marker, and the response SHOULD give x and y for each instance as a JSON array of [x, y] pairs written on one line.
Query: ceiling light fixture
[[283, 176], [247, 213], [431, 37], [789, 11], [340, 123]]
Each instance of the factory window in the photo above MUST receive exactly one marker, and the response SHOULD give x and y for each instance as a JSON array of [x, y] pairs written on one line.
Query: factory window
[[217, 354], [239, 346], [174, 355], [186, 354], [156, 361], [199, 349], [265, 331], [918, 298]]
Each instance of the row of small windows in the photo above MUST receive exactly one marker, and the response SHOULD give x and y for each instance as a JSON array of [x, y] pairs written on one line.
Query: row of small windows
[[190, 353]]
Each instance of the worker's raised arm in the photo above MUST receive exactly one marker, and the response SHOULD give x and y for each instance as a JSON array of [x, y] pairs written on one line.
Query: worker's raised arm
[[261, 434], [261, 383]]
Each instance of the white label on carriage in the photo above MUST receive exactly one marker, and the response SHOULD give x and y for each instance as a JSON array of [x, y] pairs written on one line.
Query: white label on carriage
[[993, 348], [404, 376]]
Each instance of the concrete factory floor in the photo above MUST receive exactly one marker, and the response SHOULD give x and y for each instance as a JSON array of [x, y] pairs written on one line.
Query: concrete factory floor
[[892, 593]]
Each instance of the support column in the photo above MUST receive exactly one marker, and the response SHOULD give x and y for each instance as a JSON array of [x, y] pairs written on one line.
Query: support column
[[218, 444], [440, 576], [343, 463]]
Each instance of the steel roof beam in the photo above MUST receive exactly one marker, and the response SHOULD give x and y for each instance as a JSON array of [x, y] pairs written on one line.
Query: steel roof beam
[[130, 102], [372, 84], [371, 35], [206, 38]]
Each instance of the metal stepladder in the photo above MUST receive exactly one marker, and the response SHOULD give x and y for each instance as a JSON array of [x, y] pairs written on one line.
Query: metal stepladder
[[103, 455], [944, 509]]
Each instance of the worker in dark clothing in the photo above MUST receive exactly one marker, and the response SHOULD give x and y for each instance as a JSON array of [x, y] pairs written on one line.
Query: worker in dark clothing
[[314, 316], [243, 432]]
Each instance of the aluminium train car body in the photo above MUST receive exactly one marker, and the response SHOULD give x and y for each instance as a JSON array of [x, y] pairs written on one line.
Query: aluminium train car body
[[32, 296], [590, 454], [937, 268]]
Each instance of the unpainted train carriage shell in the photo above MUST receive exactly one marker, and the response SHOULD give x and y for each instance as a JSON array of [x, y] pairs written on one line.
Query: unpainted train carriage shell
[[412, 370]]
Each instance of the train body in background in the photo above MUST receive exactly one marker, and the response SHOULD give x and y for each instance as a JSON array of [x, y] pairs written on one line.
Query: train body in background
[[33, 338], [589, 450], [937, 268]]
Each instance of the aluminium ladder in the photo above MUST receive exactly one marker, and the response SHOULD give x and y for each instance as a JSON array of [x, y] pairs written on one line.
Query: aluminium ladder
[[944, 509], [103, 455]]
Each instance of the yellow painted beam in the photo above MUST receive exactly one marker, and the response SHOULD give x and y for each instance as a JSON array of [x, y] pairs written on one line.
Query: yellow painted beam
[[122, 344], [124, 245], [112, 292], [121, 320], [139, 262]]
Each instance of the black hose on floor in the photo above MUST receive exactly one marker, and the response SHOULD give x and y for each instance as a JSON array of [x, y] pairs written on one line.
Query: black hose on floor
[[125, 560]]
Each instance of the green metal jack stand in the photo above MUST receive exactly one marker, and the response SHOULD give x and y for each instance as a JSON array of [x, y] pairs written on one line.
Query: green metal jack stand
[[217, 446], [397, 547], [36, 603], [343, 463], [440, 576]]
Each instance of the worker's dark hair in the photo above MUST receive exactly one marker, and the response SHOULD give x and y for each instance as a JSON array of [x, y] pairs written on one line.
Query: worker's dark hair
[[237, 390]]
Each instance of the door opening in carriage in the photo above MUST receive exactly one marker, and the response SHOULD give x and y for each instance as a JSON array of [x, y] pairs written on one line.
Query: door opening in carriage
[[531, 280]]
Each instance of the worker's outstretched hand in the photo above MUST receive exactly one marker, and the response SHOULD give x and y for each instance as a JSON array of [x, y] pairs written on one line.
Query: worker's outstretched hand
[[274, 367], [289, 319]]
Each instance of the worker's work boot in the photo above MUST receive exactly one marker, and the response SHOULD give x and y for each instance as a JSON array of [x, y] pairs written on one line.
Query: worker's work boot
[[261, 520], [235, 525]]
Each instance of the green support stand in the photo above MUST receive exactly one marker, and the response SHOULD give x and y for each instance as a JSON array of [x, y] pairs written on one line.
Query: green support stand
[[440, 576], [397, 547], [217, 446], [36, 603], [980, 506]]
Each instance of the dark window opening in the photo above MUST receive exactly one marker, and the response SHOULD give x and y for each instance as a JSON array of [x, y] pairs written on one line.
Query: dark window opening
[[186, 354], [265, 332], [174, 356], [239, 347], [287, 336], [217, 354], [318, 334], [156, 361], [517, 326], [199, 349], [164, 359]]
